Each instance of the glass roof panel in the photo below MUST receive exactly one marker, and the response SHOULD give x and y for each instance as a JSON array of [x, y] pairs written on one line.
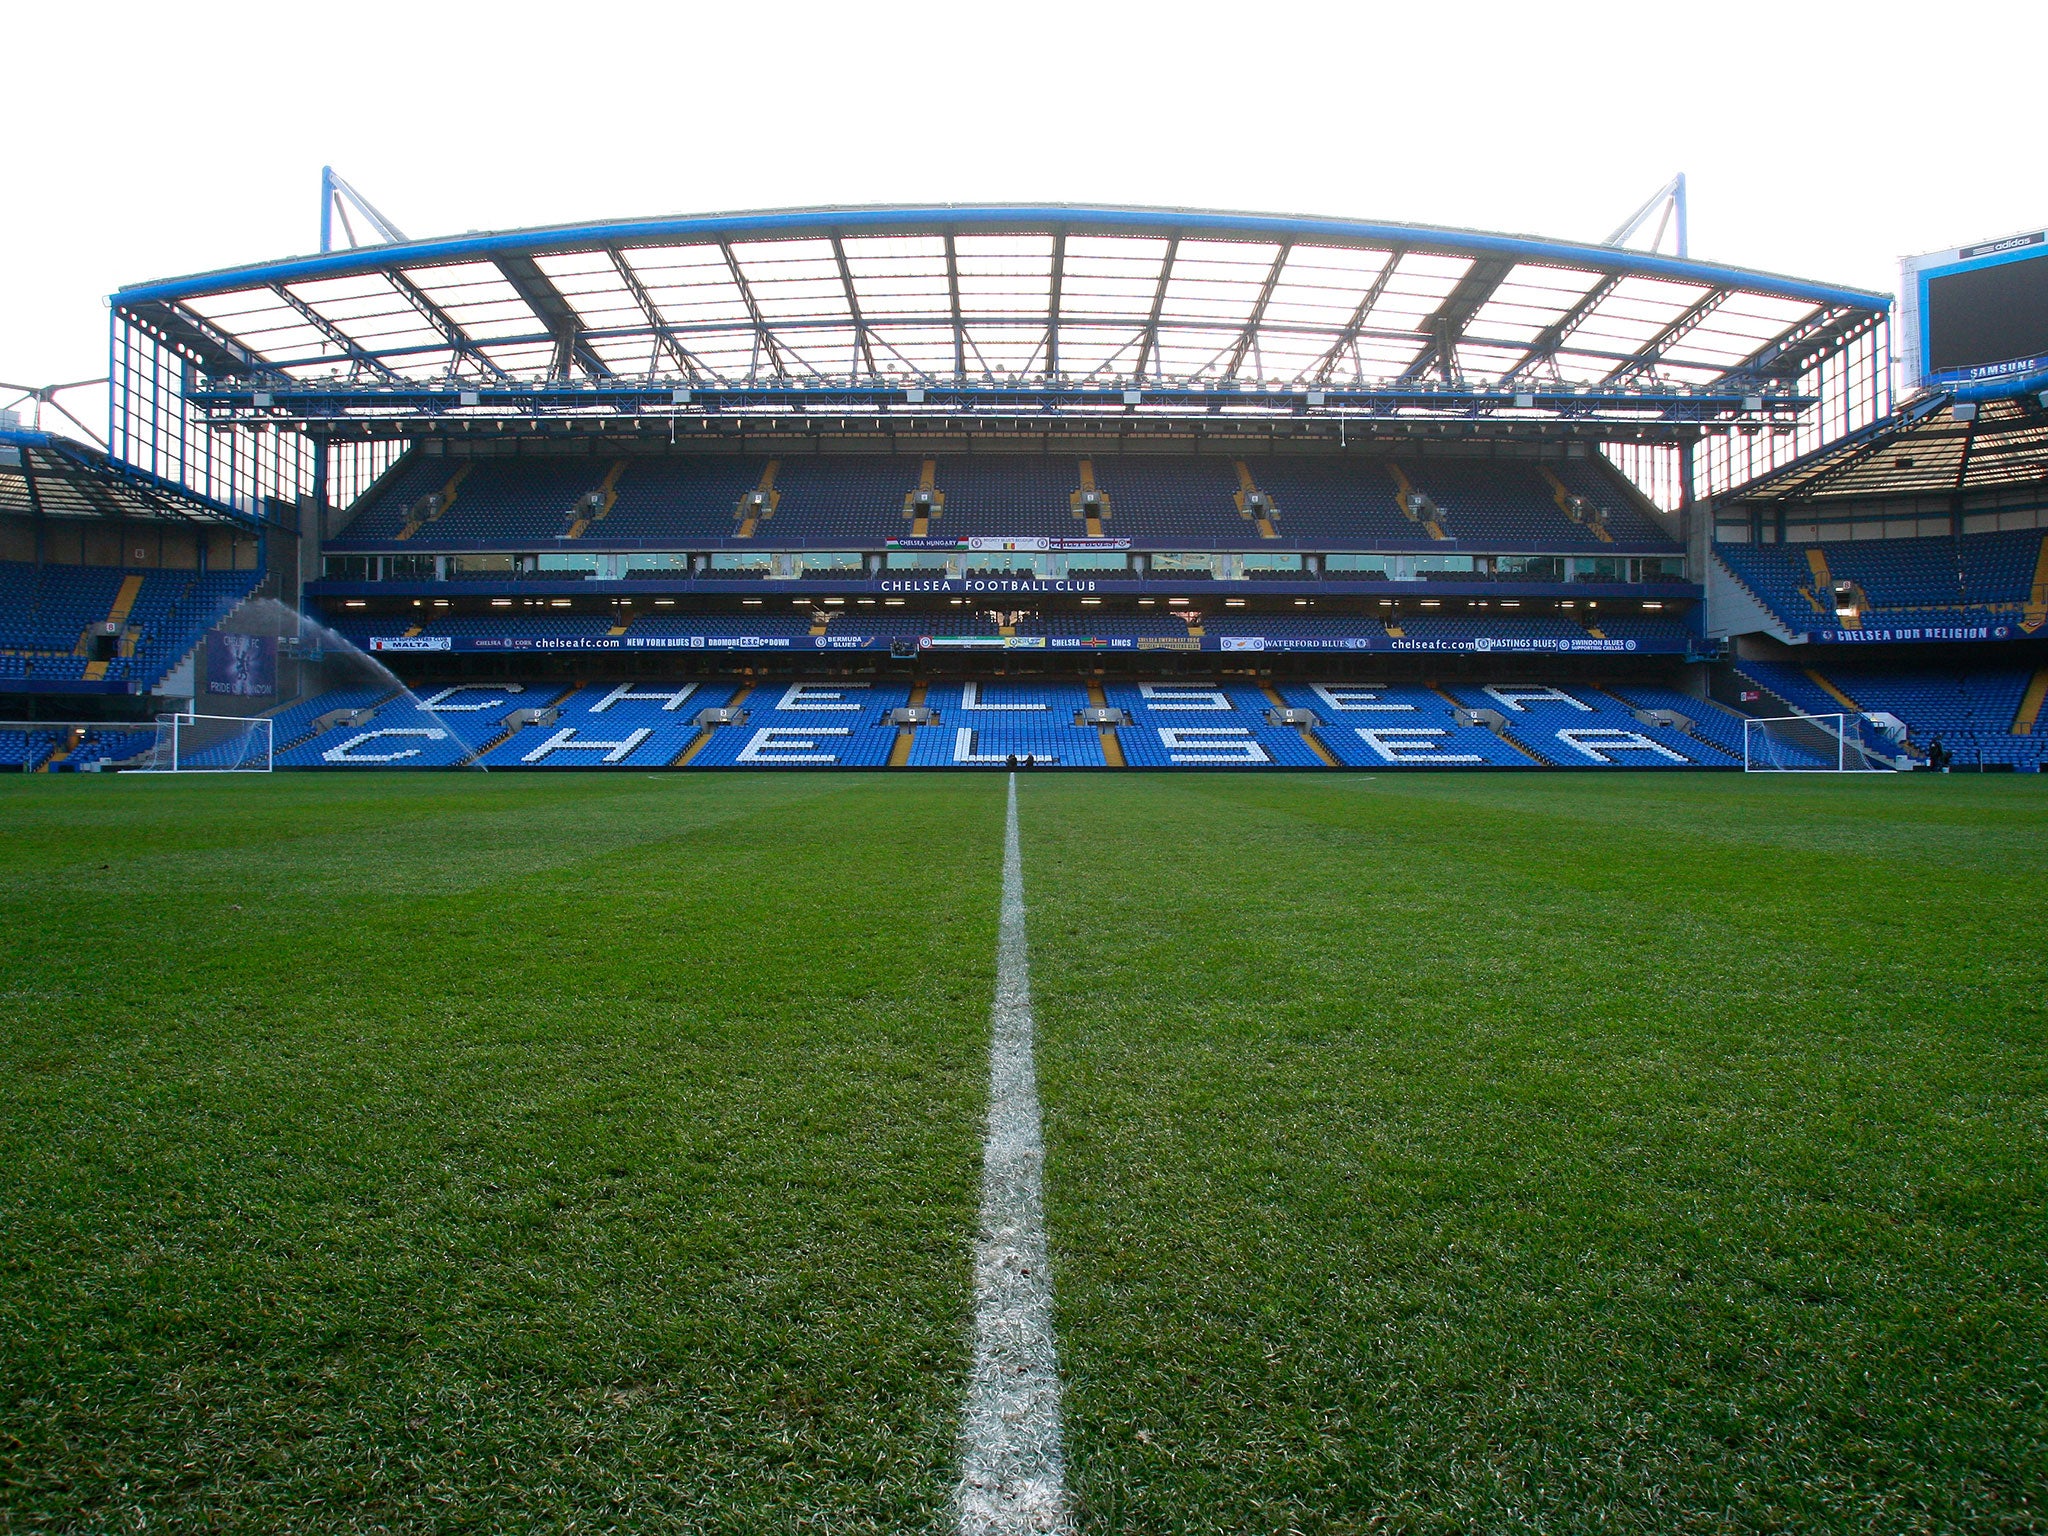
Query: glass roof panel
[[1107, 277], [1004, 274], [900, 276]]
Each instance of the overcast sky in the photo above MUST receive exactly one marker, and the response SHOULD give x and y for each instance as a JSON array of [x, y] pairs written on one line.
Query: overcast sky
[[1821, 140]]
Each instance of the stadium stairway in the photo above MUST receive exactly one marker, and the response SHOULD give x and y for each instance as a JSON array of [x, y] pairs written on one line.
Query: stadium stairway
[[1264, 512], [765, 496], [705, 733], [1406, 489], [424, 512], [1308, 735], [906, 735], [608, 493], [2035, 613], [2029, 712], [1832, 691], [117, 613], [1562, 495], [1112, 748]]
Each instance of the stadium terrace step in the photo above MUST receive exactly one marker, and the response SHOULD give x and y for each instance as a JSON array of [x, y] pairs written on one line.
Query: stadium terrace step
[[1415, 505], [596, 505], [731, 713]]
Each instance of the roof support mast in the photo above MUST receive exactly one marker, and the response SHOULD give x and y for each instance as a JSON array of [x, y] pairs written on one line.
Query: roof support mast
[[336, 196], [1667, 201]]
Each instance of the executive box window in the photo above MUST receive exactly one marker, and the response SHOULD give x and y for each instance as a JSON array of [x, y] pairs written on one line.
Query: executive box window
[[1272, 565]]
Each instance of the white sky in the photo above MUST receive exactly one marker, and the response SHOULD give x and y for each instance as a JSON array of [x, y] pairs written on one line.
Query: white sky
[[1822, 140]]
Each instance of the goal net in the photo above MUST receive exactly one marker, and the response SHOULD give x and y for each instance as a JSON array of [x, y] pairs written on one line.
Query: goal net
[[1817, 744], [211, 744]]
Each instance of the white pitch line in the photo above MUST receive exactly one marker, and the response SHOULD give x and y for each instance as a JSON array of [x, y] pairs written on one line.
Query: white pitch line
[[1012, 1469]]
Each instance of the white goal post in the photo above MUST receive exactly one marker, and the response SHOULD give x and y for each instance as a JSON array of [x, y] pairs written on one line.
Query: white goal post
[[1818, 744], [211, 744]]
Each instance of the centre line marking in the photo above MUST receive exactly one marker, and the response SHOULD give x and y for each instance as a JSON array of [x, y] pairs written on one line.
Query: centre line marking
[[1012, 1468]]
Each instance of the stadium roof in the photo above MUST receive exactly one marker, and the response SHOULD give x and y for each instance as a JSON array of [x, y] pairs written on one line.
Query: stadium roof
[[43, 475], [1930, 447], [999, 295]]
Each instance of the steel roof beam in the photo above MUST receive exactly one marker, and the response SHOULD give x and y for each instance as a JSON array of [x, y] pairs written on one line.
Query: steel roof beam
[[1052, 313], [354, 350], [1812, 341], [1008, 219], [764, 337], [1446, 327], [680, 355], [457, 338], [953, 304], [860, 327], [540, 295], [1257, 315], [1355, 326], [1553, 337], [212, 348], [1651, 353], [1149, 348]]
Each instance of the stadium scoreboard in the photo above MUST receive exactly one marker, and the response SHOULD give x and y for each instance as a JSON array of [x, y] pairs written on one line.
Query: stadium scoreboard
[[1978, 314]]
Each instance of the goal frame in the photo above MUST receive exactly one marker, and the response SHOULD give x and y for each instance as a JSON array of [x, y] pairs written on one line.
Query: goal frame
[[169, 752], [1850, 753]]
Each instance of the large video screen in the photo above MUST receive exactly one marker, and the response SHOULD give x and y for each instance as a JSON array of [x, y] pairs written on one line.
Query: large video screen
[[1987, 319], [1977, 314]]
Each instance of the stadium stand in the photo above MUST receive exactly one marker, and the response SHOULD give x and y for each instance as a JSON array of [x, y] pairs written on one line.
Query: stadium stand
[[45, 612], [1205, 725], [1980, 578], [443, 728], [1974, 710], [611, 725], [845, 501], [983, 725], [1583, 727], [1372, 725]]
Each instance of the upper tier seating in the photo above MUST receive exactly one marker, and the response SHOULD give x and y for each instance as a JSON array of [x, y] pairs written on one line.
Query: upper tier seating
[[1502, 502], [1979, 578], [857, 502]]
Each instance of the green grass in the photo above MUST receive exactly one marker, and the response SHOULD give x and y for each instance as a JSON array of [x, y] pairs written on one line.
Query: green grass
[[1564, 1153]]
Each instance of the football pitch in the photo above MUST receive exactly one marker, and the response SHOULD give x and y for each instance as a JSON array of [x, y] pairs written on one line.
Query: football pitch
[[1626, 1152]]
